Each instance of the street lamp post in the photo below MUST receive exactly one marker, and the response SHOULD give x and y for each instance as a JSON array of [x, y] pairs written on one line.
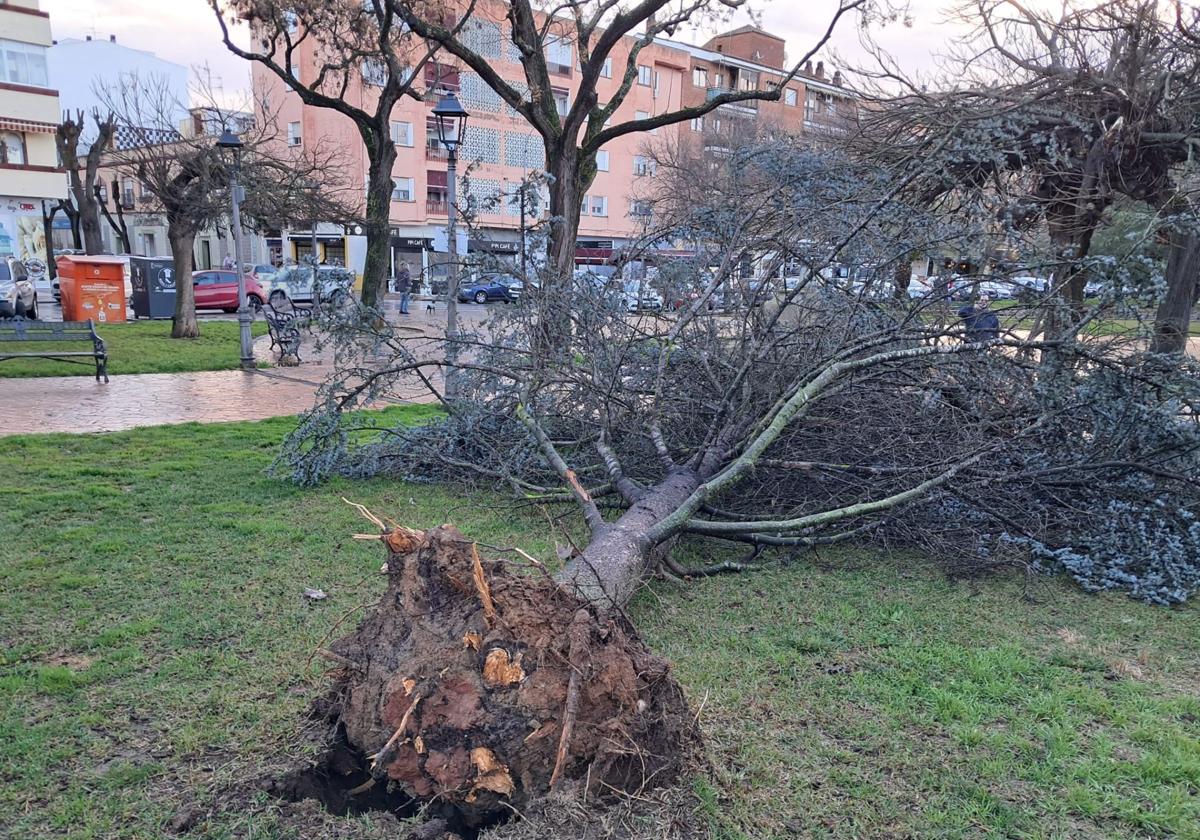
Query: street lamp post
[[230, 142], [451, 120]]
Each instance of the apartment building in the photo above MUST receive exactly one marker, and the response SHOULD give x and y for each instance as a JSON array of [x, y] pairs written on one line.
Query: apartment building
[[29, 113], [501, 151]]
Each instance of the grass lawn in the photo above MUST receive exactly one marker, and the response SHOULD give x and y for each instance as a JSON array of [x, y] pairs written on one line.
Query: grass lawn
[[155, 649], [140, 347]]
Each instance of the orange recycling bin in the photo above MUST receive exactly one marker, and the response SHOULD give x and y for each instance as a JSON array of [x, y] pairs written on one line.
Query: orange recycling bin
[[92, 287]]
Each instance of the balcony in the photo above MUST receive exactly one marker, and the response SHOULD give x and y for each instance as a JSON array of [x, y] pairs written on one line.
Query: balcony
[[556, 69], [436, 153], [437, 207], [746, 106]]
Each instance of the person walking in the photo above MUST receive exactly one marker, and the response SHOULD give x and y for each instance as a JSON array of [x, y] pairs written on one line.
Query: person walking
[[404, 287], [980, 321]]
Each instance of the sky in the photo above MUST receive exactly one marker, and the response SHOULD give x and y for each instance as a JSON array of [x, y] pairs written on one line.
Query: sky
[[186, 32]]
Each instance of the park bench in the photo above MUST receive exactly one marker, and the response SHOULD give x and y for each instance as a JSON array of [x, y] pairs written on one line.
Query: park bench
[[20, 330], [284, 325]]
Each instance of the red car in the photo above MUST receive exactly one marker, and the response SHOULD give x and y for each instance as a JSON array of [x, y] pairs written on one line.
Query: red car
[[219, 290]]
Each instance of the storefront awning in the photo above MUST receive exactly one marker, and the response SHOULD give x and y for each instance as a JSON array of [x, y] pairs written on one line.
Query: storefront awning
[[592, 256], [26, 126]]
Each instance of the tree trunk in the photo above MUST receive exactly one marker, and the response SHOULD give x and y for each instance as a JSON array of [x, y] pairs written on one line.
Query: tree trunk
[[382, 156], [567, 189], [1172, 320], [901, 277], [88, 214], [182, 243], [612, 567]]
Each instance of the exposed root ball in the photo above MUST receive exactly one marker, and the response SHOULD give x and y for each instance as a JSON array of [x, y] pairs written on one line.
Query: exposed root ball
[[484, 688]]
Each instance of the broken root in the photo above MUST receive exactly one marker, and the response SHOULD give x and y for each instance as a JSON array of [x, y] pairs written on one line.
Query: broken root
[[486, 689]]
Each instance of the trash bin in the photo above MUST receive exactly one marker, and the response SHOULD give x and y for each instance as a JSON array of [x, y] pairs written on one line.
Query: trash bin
[[153, 282], [93, 287]]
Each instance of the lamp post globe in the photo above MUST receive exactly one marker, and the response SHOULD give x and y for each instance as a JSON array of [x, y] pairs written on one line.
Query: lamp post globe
[[230, 143], [451, 119]]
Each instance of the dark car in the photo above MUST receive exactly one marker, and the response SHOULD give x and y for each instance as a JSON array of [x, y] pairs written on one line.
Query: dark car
[[219, 290], [501, 287]]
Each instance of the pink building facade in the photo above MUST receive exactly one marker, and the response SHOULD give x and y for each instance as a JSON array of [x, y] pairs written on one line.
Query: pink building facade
[[500, 151]]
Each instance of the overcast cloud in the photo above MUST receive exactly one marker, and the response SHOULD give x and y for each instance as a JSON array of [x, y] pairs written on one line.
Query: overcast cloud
[[186, 32]]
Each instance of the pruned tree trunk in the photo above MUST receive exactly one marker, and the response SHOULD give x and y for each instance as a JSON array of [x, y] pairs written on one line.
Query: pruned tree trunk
[[1173, 318], [182, 243], [479, 690]]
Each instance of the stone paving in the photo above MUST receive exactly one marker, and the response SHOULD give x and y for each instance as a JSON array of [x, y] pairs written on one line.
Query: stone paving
[[80, 404]]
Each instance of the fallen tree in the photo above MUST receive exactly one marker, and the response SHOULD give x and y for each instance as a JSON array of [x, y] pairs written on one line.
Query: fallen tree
[[786, 411]]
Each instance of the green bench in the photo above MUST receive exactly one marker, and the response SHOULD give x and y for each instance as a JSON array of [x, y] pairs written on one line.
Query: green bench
[[20, 330]]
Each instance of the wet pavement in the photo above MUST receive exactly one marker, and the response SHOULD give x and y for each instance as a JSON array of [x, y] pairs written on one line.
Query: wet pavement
[[80, 404]]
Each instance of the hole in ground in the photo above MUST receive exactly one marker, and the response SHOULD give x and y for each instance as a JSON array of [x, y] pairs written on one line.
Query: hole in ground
[[342, 769]]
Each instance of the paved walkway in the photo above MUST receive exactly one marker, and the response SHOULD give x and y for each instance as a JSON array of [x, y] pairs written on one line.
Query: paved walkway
[[80, 404]]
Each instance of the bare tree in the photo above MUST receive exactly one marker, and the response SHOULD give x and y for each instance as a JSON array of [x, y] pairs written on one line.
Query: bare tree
[[352, 47], [601, 35], [1049, 116], [117, 222], [188, 177], [82, 173]]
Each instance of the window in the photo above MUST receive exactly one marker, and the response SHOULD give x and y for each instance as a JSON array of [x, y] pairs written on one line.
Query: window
[[718, 81], [12, 148], [402, 133], [143, 190], [789, 97], [811, 107], [368, 6], [599, 205], [639, 208], [559, 56], [697, 123], [656, 78], [643, 115], [294, 134], [700, 77], [23, 64], [149, 246], [562, 100], [402, 189], [602, 160], [127, 193], [293, 68], [642, 166], [374, 72], [443, 78], [291, 22], [830, 105], [606, 68], [643, 75]]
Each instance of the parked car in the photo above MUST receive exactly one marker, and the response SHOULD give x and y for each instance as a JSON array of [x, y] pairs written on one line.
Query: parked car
[[1002, 289], [263, 273], [638, 295], [18, 297], [219, 290], [502, 287], [296, 283]]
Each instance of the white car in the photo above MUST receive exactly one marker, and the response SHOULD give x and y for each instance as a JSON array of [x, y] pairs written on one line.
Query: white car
[[18, 297], [296, 283], [638, 296]]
